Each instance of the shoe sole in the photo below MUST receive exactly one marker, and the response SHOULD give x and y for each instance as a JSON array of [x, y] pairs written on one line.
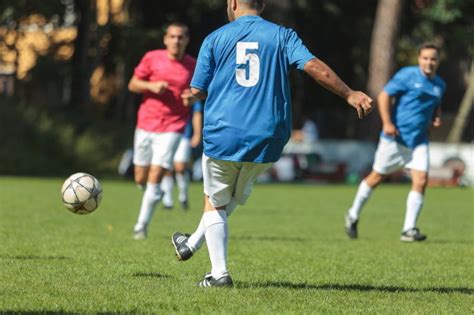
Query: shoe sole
[[410, 239], [178, 256]]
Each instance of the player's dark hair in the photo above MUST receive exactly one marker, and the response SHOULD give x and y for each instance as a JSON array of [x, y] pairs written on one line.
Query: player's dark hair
[[428, 45], [254, 4], [177, 24]]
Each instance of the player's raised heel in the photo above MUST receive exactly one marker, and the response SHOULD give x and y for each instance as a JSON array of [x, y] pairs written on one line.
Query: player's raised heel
[[225, 281], [351, 227], [412, 235], [180, 244], [140, 234]]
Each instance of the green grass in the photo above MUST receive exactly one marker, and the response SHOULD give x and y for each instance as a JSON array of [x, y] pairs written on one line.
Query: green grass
[[288, 254]]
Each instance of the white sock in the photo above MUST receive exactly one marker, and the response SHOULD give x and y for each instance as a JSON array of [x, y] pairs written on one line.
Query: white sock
[[196, 240], [182, 181], [363, 193], [216, 239], [414, 204], [150, 199], [167, 188]]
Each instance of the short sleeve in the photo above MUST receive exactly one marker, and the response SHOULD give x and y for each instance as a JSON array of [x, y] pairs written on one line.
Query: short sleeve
[[205, 66], [143, 70], [398, 84], [197, 107], [298, 54]]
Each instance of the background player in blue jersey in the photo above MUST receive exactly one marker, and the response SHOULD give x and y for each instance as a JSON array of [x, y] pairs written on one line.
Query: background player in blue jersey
[[190, 139], [415, 93], [242, 70]]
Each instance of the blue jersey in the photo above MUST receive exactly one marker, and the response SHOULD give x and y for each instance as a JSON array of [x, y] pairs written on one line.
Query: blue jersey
[[244, 68], [417, 98], [188, 130]]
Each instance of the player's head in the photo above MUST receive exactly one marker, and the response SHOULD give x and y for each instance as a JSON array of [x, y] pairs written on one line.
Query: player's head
[[428, 58], [176, 39], [235, 8]]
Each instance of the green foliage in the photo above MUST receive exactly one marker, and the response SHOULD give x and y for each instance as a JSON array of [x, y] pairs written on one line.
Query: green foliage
[[288, 254], [39, 142]]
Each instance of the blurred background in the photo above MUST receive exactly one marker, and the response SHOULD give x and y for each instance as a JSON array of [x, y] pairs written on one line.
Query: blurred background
[[65, 65]]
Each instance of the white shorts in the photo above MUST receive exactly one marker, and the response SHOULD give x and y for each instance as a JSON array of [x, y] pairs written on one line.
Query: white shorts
[[183, 153], [392, 156], [154, 148], [224, 179]]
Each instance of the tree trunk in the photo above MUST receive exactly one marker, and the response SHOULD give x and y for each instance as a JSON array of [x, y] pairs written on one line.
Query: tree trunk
[[455, 135], [81, 66], [382, 56]]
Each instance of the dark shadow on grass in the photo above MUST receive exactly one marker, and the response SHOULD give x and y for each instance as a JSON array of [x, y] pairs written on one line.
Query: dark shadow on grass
[[45, 312], [34, 257], [48, 312], [350, 287], [151, 275]]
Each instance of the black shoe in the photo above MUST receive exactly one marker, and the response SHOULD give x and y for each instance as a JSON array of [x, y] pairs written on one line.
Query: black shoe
[[412, 235], [185, 205], [224, 281], [180, 243], [351, 227]]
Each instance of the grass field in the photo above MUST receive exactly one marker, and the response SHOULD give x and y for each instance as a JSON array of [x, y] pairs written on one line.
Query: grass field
[[288, 254]]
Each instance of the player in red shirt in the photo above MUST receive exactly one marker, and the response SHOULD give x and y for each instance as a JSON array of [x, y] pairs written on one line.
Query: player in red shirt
[[162, 77]]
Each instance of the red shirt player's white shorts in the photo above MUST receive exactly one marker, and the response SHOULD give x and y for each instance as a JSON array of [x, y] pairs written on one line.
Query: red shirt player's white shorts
[[152, 148]]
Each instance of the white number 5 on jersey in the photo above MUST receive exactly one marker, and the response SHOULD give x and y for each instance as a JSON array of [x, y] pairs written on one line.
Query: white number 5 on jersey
[[254, 64]]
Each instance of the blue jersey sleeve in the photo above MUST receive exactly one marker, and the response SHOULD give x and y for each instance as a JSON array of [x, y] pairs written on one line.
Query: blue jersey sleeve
[[398, 84], [298, 54], [205, 66], [197, 107]]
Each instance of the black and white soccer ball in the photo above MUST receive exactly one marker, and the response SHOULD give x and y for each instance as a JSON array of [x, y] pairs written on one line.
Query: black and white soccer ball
[[81, 193]]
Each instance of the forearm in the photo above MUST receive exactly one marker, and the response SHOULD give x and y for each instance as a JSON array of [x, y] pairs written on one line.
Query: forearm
[[326, 77], [384, 103], [197, 122], [138, 86]]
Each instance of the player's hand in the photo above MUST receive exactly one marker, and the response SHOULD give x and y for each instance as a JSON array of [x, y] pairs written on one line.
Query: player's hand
[[188, 98], [437, 122], [196, 140], [157, 87], [361, 102], [390, 130]]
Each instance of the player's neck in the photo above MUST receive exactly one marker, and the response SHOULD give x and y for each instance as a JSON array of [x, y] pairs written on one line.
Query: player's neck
[[176, 57], [246, 12]]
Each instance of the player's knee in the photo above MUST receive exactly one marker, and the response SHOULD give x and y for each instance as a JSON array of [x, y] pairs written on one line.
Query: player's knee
[[153, 191]]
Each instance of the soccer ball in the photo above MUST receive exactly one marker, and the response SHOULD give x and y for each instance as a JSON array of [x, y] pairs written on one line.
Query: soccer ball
[[81, 193]]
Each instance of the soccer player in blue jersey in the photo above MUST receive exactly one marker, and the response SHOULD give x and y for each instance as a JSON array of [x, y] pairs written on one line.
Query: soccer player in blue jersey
[[242, 71], [415, 93], [190, 139]]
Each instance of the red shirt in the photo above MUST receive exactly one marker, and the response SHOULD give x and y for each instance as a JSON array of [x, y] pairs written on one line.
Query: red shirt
[[165, 112]]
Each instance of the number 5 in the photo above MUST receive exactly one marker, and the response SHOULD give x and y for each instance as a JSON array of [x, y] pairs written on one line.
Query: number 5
[[254, 64]]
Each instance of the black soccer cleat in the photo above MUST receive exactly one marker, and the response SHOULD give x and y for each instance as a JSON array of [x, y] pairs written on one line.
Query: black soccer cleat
[[185, 205], [224, 281], [180, 244], [412, 235], [351, 227]]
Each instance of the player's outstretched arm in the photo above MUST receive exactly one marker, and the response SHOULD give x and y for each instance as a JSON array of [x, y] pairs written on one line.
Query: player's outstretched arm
[[326, 77]]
